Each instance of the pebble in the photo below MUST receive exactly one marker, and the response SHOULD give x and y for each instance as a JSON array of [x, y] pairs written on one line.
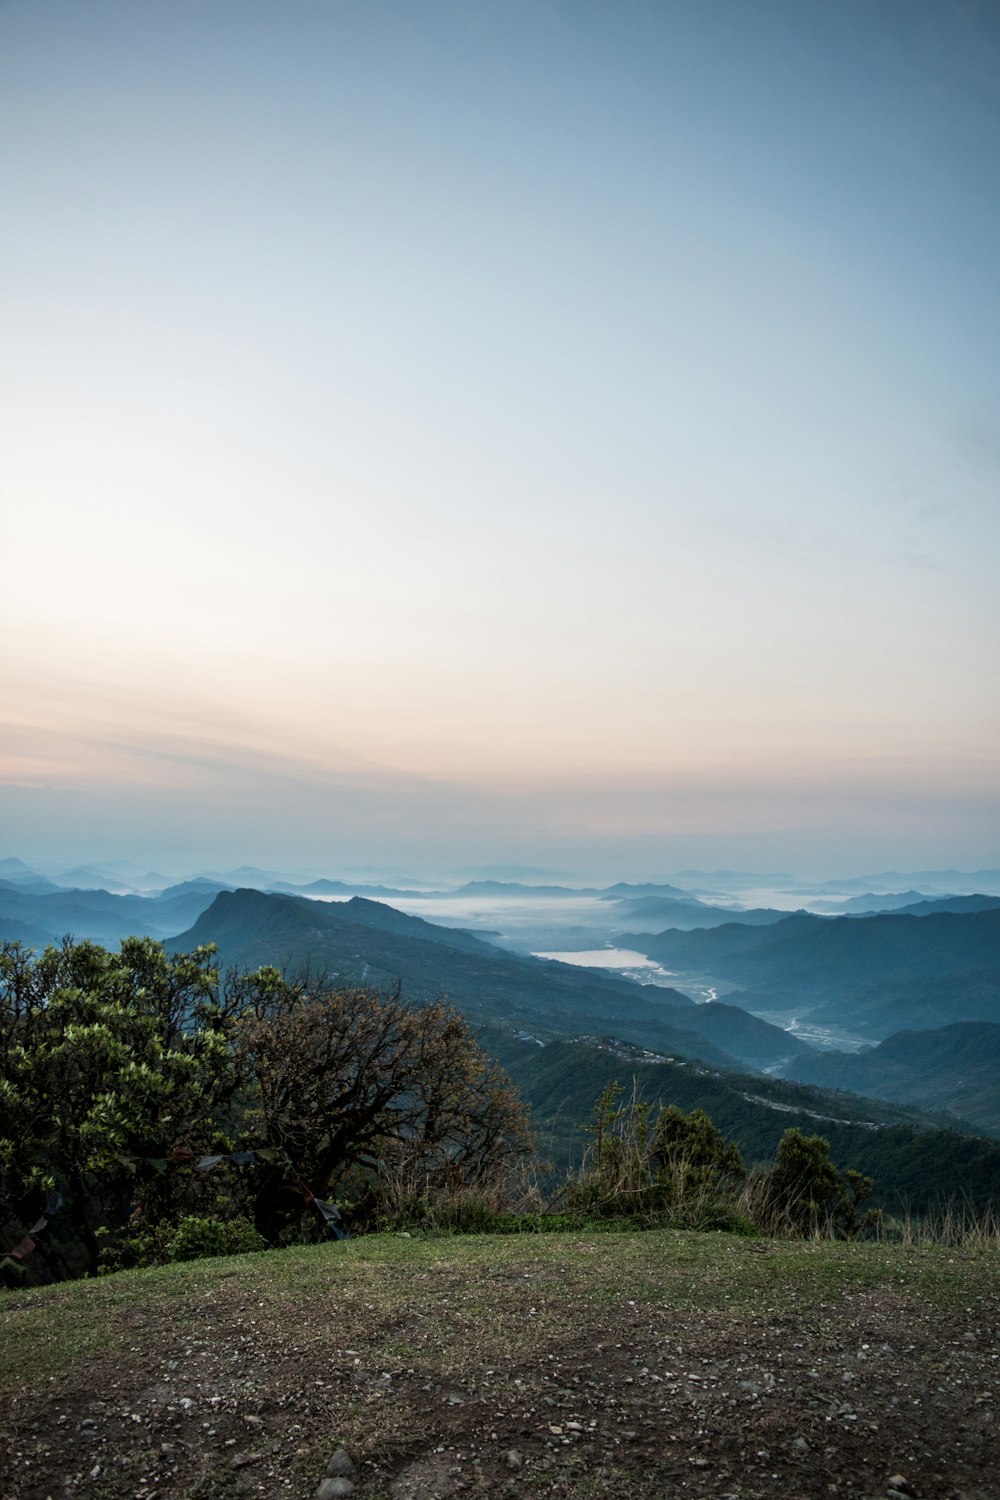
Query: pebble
[[334, 1489], [513, 1459], [339, 1480], [341, 1465]]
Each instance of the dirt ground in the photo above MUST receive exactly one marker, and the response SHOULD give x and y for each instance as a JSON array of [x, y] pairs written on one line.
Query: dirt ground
[[635, 1365]]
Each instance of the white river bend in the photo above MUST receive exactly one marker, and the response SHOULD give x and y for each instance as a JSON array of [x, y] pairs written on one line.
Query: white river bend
[[633, 965]]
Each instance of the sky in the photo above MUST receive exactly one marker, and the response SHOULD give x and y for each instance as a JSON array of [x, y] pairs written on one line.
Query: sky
[[449, 434]]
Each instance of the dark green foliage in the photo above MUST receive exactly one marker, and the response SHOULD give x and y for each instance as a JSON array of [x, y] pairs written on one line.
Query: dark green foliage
[[915, 1167], [193, 1238], [955, 1069], [803, 1183], [659, 1166], [806, 1194], [111, 1065], [692, 1147], [671, 1168], [124, 1078]]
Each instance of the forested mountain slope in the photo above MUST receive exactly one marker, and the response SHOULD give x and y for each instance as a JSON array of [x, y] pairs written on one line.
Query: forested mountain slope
[[914, 1162], [367, 942], [955, 1069], [851, 966]]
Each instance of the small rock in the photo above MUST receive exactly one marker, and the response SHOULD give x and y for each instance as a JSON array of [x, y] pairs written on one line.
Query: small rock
[[334, 1489], [341, 1465], [800, 1445], [513, 1459], [898, 1485]]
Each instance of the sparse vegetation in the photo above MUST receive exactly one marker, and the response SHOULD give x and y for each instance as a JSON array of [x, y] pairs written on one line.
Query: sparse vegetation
[[665, 1167], [805, 1194], [662, 1167]]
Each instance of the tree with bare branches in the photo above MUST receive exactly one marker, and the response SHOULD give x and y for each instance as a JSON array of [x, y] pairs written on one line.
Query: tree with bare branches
[[353, 1089]]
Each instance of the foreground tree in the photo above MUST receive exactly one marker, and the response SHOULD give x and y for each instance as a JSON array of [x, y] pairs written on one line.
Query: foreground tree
[[113, 1066], [137, 1092], [668, 1167], [359, 1094]]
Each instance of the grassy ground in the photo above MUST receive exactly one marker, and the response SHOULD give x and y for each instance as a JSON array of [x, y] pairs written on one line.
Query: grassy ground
[[581, 1365]]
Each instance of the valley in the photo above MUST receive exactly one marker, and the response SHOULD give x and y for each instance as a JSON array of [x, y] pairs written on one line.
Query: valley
[[797, 1002]]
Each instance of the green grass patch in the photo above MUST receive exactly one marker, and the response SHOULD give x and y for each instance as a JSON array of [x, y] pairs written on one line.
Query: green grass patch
[[55, 1328]]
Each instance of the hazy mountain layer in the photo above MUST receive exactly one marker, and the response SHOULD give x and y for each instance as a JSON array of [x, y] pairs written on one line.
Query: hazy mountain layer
[[640, 913], [951, 903], [40, 918], [849, 970], [367, 942]]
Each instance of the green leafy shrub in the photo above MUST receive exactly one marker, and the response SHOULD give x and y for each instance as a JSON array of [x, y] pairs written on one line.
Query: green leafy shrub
[[805, 1194], [665, 1168], [195, 1239]]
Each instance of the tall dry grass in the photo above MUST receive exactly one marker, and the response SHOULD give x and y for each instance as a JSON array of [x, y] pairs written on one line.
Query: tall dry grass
[[955, 1222]]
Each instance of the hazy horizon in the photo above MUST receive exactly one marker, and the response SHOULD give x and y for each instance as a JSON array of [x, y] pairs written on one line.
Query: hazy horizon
[[547, 434], [779, 888]]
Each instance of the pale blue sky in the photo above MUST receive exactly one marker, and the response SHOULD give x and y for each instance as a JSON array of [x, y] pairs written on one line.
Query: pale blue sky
[[439, 432]]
